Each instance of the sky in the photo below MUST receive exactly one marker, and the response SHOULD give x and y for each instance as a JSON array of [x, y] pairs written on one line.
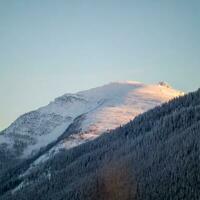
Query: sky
[[48, 47]]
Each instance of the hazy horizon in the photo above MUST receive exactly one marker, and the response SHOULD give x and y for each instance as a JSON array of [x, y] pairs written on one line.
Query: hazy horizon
[[50, 48]]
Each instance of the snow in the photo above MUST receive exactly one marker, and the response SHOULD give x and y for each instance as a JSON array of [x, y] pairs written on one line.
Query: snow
[[21, 185], [125, 102], [67, 106], [118, 104], [66, 144], [44, 139], [105, 107]]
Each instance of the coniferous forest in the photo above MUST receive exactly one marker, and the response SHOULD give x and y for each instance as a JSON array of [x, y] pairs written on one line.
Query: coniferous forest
[[156, 156]]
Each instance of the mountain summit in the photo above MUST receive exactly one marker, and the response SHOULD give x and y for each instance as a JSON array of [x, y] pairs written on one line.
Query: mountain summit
[[154, 156], [87, 113]]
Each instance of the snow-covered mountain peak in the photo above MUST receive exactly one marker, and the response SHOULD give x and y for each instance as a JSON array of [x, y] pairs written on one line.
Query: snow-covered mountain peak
[[111, 90], [124, 102], [102, 108], [129, 82]]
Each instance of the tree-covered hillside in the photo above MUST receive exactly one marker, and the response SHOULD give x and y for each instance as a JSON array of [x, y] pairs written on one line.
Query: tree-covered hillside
[[154, 157]]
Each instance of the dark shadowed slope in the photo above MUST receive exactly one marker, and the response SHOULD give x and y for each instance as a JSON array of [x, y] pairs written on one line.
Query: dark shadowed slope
[[155, 156]]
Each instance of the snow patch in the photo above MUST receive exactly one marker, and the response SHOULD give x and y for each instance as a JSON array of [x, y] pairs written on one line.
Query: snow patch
[[44, 140]]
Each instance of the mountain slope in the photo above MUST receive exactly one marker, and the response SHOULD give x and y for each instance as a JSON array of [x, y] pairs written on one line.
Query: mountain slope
[[155, 156], [97, 110]]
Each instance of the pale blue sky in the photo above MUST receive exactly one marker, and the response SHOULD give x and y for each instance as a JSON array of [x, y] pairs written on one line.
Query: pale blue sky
[[48, 48]]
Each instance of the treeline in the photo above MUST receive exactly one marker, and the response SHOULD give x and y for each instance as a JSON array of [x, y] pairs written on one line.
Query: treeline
[[154, 157]]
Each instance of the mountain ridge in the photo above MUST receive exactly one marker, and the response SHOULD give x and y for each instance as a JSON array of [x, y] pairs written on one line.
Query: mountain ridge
[[156, 155], [105, 107]]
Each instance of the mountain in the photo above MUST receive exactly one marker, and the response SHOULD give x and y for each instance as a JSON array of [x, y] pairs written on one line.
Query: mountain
[[153, 157], [92, 112]]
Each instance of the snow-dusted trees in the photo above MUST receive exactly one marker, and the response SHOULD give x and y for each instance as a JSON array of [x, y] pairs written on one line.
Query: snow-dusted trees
[[161, 147]]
